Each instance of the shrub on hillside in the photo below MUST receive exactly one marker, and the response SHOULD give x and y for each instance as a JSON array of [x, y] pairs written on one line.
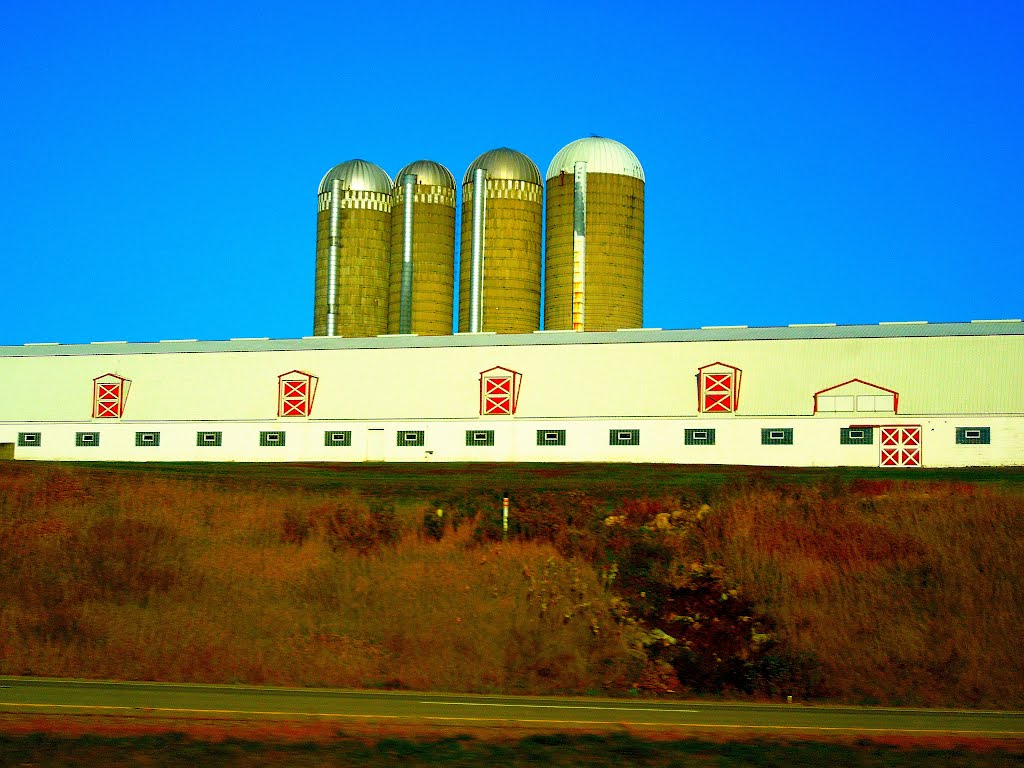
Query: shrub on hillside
[[355, 523], [567, 519], [711, 635], [434, 523], [466, 506], [723, 643], [296, 526]]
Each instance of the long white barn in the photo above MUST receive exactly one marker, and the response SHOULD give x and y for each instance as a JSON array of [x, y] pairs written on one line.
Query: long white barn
[[898, 394]]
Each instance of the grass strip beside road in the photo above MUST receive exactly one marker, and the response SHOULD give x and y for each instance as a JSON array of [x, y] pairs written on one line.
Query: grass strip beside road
[[176, 749]]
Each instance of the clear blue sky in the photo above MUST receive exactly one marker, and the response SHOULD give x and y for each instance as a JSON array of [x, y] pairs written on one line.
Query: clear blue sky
[[806, 161]]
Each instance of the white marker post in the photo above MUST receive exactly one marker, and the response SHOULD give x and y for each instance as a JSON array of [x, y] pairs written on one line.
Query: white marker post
[[504, 516]]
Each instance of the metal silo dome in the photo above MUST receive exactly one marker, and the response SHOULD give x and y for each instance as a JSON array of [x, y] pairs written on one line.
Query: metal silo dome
[[594, 259], [422, 282], [505, 163], [359, 176], [601, 156], [427, 172], [502, 217]]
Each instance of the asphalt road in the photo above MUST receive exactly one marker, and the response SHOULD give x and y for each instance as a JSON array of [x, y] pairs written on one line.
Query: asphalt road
[[192, 702]]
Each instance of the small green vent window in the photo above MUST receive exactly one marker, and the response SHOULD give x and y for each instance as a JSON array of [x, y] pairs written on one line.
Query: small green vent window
[[30, 439], [856, 436], [624, 437], [782, 436], [147, 439], [87, 439], [213, 439], [699, 437], [338, 438], [271, 439], [479, 437], [411, 437], [973, 435], [550, 437]]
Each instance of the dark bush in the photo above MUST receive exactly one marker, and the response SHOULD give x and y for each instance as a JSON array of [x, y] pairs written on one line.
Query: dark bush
[[434, 523], [356, 524], [296, 527], [568, 519], [780, 672], [466, 506]]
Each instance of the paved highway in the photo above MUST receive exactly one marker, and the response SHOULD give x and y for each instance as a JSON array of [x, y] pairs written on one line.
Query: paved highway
[[167, 700]]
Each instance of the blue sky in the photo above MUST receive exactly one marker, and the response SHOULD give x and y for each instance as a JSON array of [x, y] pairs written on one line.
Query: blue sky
[[805, 161]]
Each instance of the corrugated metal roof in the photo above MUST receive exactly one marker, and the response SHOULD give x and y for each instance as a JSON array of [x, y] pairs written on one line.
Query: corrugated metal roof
[[538, 338]]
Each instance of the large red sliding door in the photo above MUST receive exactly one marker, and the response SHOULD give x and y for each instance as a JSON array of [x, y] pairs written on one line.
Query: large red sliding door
[[900, 446]]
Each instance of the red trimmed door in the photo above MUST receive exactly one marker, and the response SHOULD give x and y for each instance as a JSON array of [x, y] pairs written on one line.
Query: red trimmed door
[[497, 396], [295, 398], [901, 446], [109, 393], [295, 393], [717, 393], [108, 400]]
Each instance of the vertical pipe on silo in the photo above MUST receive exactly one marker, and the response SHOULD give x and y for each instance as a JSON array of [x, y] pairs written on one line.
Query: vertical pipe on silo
[[405, 295], [579, 246], [334, 235], [477, 264]]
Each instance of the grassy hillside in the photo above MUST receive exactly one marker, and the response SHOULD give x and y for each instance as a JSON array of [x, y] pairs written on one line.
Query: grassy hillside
[[852, 587]]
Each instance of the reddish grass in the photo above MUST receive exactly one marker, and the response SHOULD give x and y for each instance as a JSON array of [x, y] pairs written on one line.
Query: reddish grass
[[888, 591], [169, 579]]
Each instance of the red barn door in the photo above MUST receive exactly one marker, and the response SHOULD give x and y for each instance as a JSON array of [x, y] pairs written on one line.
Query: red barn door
[[499, 391], [718, 388], [295, 393], [900, 446], [109, 394]]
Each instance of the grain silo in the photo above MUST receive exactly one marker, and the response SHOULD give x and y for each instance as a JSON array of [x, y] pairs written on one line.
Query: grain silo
[[422, 250], [353, 248], [594, 262], [499, 279]]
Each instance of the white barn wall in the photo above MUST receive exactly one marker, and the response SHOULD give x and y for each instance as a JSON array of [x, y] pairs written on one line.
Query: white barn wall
[[816, 442], [933, 376], [964, 375]]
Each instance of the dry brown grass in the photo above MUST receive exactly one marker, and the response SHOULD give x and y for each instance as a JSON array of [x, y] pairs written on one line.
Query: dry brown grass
[[891, 592], [905, 592], [170, 579]]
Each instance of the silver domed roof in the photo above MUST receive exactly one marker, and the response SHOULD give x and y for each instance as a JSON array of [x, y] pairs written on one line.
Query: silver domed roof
[[358, 175], [505, 163], [427, 172], [601, 155]]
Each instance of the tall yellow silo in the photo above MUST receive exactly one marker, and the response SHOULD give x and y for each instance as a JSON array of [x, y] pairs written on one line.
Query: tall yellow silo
[[422, 250], [594, 255], [353, 250], [499, 278]]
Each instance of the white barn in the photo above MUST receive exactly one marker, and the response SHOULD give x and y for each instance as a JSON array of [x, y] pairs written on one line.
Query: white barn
[[890, 395]]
